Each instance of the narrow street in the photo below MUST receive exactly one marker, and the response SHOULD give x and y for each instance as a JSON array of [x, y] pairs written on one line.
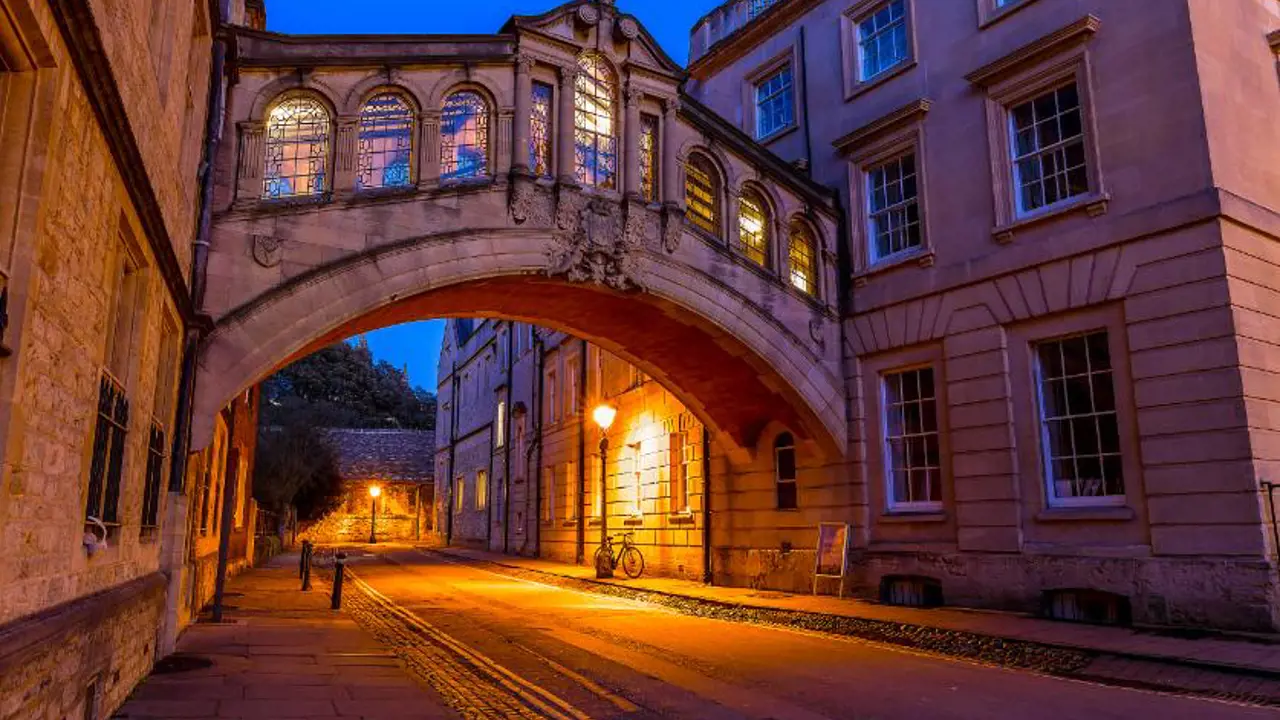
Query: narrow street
[[554, 652]]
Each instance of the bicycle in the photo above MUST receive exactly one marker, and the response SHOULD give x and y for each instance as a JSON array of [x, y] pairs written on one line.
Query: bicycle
[[628, 556]]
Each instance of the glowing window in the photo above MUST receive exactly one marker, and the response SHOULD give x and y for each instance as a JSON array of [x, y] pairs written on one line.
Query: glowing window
[[803, 256], [540, 131], [297, 149], [753, 228], [649, 158], [464, 137], [595, 132], [702, 193], [386, 143]]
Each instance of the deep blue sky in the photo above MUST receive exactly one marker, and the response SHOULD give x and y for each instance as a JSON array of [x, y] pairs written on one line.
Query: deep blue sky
[[417, 345]]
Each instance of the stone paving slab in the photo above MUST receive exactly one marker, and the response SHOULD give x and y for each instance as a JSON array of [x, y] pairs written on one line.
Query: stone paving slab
[[1252, 652], [284, 654]]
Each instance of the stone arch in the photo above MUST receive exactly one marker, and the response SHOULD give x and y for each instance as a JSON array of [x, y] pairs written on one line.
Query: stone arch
[[270, 93], [452, 82], [376, 83], [734, 370], [717, 164]]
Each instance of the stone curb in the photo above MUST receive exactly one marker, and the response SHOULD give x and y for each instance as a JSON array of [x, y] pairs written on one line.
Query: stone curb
[[1093, 652]]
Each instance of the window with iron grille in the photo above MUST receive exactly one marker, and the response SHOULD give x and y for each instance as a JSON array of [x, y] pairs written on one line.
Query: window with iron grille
[[882, 39], [595, 134], [464, 137], [1047, 139], [784, 471], [649, 158], [155, 473], [297, 149], [702, 194], [775, 103], [1079, 430], [540, 131], [753, 228], [893, 210], [107, 464], [911, 452], [802, 253], [385, 155]]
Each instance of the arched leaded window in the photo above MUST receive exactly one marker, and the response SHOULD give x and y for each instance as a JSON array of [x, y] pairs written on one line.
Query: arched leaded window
[[385, 151], [753, 227], [595, 130], [464, 137], [702, 193], [784, 470], [803, 255], [298, 133]]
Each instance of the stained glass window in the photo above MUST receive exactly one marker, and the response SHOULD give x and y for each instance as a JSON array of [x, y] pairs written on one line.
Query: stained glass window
[[386, 143], [540, 131], [753, 228], [803, 255], [297, 148], [649, 158], [595, 134], [702, 193], [464, 137]]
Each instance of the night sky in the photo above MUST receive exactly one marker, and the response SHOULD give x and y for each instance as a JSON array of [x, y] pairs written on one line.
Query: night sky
[[417, 345]]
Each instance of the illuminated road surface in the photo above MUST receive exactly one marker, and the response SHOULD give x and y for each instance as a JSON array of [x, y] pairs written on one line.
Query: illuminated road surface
[[581, 655]]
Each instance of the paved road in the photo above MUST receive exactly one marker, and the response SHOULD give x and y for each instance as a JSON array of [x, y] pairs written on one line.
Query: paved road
[[581, 655]]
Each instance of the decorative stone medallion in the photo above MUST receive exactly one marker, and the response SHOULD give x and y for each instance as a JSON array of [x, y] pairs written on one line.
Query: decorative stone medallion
[[267, 250]]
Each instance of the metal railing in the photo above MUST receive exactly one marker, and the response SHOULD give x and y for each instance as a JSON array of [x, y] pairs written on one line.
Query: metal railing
[[724, 21]]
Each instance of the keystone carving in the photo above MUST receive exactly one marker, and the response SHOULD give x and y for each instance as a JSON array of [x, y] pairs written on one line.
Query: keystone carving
[[595, 245], [267, 250], [672, 228]]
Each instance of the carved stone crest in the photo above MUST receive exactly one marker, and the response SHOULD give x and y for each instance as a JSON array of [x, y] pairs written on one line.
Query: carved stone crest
[[267, 250], [815, 332], [672, 228], [528, 203], [593, 245]]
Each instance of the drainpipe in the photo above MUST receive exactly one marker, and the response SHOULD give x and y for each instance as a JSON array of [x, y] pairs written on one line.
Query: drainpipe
[[582, 454], [453, 441], [706, 506], [804, 94], [506, 441], [536, 475]]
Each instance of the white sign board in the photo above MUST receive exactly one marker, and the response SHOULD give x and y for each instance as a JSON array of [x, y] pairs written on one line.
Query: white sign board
[[833, 552]]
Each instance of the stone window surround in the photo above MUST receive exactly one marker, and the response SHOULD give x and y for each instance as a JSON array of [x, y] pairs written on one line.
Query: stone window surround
[[991, 12], [893, 135], [1022, 338], [851, 62], [878, 486], [1033, 69], [789, 56]]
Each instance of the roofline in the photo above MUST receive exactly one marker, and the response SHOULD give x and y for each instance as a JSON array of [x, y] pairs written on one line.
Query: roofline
[[758, 28]]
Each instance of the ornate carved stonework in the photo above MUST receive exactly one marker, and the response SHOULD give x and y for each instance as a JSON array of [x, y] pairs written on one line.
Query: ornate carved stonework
[[528, 203], [672, 228], [267, 250], [595, 244], [815, 332], [588, 15], [628, 29]]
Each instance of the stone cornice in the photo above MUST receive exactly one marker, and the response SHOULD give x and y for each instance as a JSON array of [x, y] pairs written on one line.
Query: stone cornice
[[739, 42], [258, 48], [739, 142], [904, 115], [84, 42], [1050, 44]]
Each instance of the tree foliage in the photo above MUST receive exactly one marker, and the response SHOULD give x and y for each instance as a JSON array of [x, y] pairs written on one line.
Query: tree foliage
[[340, 386]]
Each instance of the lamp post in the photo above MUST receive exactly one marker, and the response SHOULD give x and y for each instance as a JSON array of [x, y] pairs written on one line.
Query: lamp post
[[604, 415], [374, 492]]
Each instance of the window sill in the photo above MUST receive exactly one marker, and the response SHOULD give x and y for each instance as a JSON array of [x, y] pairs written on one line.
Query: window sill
[[681, 518], [1100, 513], [865, 86], [778, 134], [632, 522], [288, 203], [893, 517], [991, 16], [357, 197], [1094, 204], [923, 256], [594, 522], [569, 523]]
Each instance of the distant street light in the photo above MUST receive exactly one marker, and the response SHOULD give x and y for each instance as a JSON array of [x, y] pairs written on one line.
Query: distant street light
[[374, 492], [604, 415]]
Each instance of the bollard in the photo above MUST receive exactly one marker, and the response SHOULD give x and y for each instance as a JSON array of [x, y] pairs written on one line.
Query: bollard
[[339, 569], [302, 557], [306, 567]]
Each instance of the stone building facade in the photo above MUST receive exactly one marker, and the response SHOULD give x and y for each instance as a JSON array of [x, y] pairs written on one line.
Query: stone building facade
[[1041, 193], [400, 464], [518, 452], [101, 136]]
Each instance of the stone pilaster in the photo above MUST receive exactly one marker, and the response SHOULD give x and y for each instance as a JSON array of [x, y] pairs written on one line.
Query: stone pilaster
[[249, 170], [672, 193], [429, 150], [524, 112], [631, 153], [565, 163], [346, 161]]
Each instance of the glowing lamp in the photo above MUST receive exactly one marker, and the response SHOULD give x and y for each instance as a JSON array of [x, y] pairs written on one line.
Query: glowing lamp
[[374, 491], [603, 415]]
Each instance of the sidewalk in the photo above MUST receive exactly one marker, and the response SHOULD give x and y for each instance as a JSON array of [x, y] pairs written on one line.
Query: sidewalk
[[282, 653], [1257, 655]]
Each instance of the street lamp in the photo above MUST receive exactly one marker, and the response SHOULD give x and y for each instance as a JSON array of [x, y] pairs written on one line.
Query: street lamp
[[604, 415], [374, 492]]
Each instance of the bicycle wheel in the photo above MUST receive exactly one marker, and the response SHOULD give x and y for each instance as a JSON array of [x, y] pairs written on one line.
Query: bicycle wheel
[[632, 562], [604, 559]]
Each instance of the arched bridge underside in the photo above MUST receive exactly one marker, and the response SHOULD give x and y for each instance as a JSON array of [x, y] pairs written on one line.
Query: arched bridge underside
[[552, 173]]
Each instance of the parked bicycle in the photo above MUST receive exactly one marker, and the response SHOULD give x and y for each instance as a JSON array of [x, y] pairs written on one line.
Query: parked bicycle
[[628, 556]]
